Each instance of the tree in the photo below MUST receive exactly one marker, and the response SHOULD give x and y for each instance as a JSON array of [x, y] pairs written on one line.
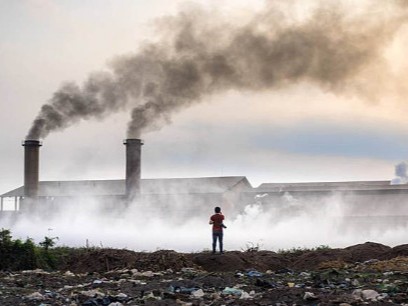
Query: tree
[[48, 242]]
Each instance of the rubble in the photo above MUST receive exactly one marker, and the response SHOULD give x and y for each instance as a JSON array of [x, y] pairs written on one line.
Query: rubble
[[267, 278]]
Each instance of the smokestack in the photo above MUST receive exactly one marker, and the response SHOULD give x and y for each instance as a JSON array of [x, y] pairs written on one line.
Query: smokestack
[[31, 167], [133, 168]]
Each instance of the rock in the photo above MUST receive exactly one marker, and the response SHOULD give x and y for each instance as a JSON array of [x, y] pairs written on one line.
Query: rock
[[369, 294], [189, 270], [69, 273], [92, 293], [245, 295], [36, 296], [147, 274], [198, 293], [121, 296], [356, 294]]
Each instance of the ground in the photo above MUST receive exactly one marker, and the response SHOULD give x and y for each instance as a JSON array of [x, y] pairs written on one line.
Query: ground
[[368, 273]]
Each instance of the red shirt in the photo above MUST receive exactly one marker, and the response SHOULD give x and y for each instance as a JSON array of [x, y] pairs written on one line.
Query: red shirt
[[217, 219]]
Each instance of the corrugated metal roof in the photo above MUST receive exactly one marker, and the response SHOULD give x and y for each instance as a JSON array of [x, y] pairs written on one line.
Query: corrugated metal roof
[[148, 186], [330, 186]]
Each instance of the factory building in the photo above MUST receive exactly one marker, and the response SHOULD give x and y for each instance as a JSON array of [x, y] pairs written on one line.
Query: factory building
[[173, 195], [375, 201], [177, 195]]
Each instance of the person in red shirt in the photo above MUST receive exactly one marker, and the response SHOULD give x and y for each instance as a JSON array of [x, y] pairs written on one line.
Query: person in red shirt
[[216, 221]]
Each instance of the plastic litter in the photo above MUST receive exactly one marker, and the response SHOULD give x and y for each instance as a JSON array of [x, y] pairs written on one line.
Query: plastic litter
[[254, 273], [180, 289], [198, 293], [232, 291], [309, 296], [245, 295]]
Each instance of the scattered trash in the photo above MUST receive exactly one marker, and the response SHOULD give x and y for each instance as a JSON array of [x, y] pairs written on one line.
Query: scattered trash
[[35, 296], [97, 282], [309, 296], [232, 291], [369, 294], [245, 295], [198, 293], [365, 282], [69, 273], [254, 274], [265, 283]]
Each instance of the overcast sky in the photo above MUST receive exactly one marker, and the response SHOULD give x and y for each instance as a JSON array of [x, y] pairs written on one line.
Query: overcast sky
[[298, 132]]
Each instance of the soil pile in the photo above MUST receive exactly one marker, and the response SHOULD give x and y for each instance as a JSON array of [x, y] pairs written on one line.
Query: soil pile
[[103, 260], [363, 274]]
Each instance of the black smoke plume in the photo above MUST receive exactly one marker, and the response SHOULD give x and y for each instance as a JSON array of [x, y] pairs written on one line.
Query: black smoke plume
[[201, 54]]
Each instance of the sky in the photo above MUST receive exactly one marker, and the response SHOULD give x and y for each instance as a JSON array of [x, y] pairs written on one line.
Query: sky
[[301, 130]]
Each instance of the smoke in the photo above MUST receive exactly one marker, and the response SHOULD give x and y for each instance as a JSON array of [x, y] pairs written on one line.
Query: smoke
[[200, 53], [401, 176], [297, 222]]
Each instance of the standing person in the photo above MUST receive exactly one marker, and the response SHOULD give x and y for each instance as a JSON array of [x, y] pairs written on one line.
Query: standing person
[[217, 229]]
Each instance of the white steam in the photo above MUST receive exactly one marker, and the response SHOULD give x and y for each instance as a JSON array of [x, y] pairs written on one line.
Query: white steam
[[401, 176], [293, 223]]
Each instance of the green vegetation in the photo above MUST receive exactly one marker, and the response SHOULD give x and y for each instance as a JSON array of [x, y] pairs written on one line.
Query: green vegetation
[[26, 255], [298, 250]]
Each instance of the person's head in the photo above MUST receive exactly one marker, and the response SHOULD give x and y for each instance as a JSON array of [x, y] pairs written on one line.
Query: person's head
[[217, 210]]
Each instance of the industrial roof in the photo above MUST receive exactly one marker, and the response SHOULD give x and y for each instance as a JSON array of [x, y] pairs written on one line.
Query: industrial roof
[[148, 186], [330, 186]]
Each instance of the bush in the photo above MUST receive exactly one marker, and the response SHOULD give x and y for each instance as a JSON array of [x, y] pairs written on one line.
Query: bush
[[19, 255], [299, 250], [16, 254]]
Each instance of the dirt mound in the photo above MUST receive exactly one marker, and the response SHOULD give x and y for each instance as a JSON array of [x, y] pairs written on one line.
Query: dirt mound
[[213, 280], [266, 260], [163, 260], [99, 260], [401, 250], [102, 260], [230, 261], [367, 251], [314, 259], [233, 261], [395, 264]]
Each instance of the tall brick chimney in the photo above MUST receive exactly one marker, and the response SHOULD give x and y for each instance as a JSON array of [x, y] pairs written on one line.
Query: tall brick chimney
[[133, 168], [31, 167]]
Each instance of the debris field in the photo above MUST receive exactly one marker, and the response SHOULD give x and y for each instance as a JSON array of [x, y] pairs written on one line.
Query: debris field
[[364, 274]]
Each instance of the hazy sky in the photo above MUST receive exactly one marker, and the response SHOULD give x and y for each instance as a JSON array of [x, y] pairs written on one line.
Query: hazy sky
[[295, 132]]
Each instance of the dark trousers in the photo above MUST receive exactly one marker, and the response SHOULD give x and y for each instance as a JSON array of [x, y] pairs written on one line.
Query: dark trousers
[[217, 235]]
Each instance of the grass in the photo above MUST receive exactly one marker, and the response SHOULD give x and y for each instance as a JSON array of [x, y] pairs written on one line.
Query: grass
[[301, 250]]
